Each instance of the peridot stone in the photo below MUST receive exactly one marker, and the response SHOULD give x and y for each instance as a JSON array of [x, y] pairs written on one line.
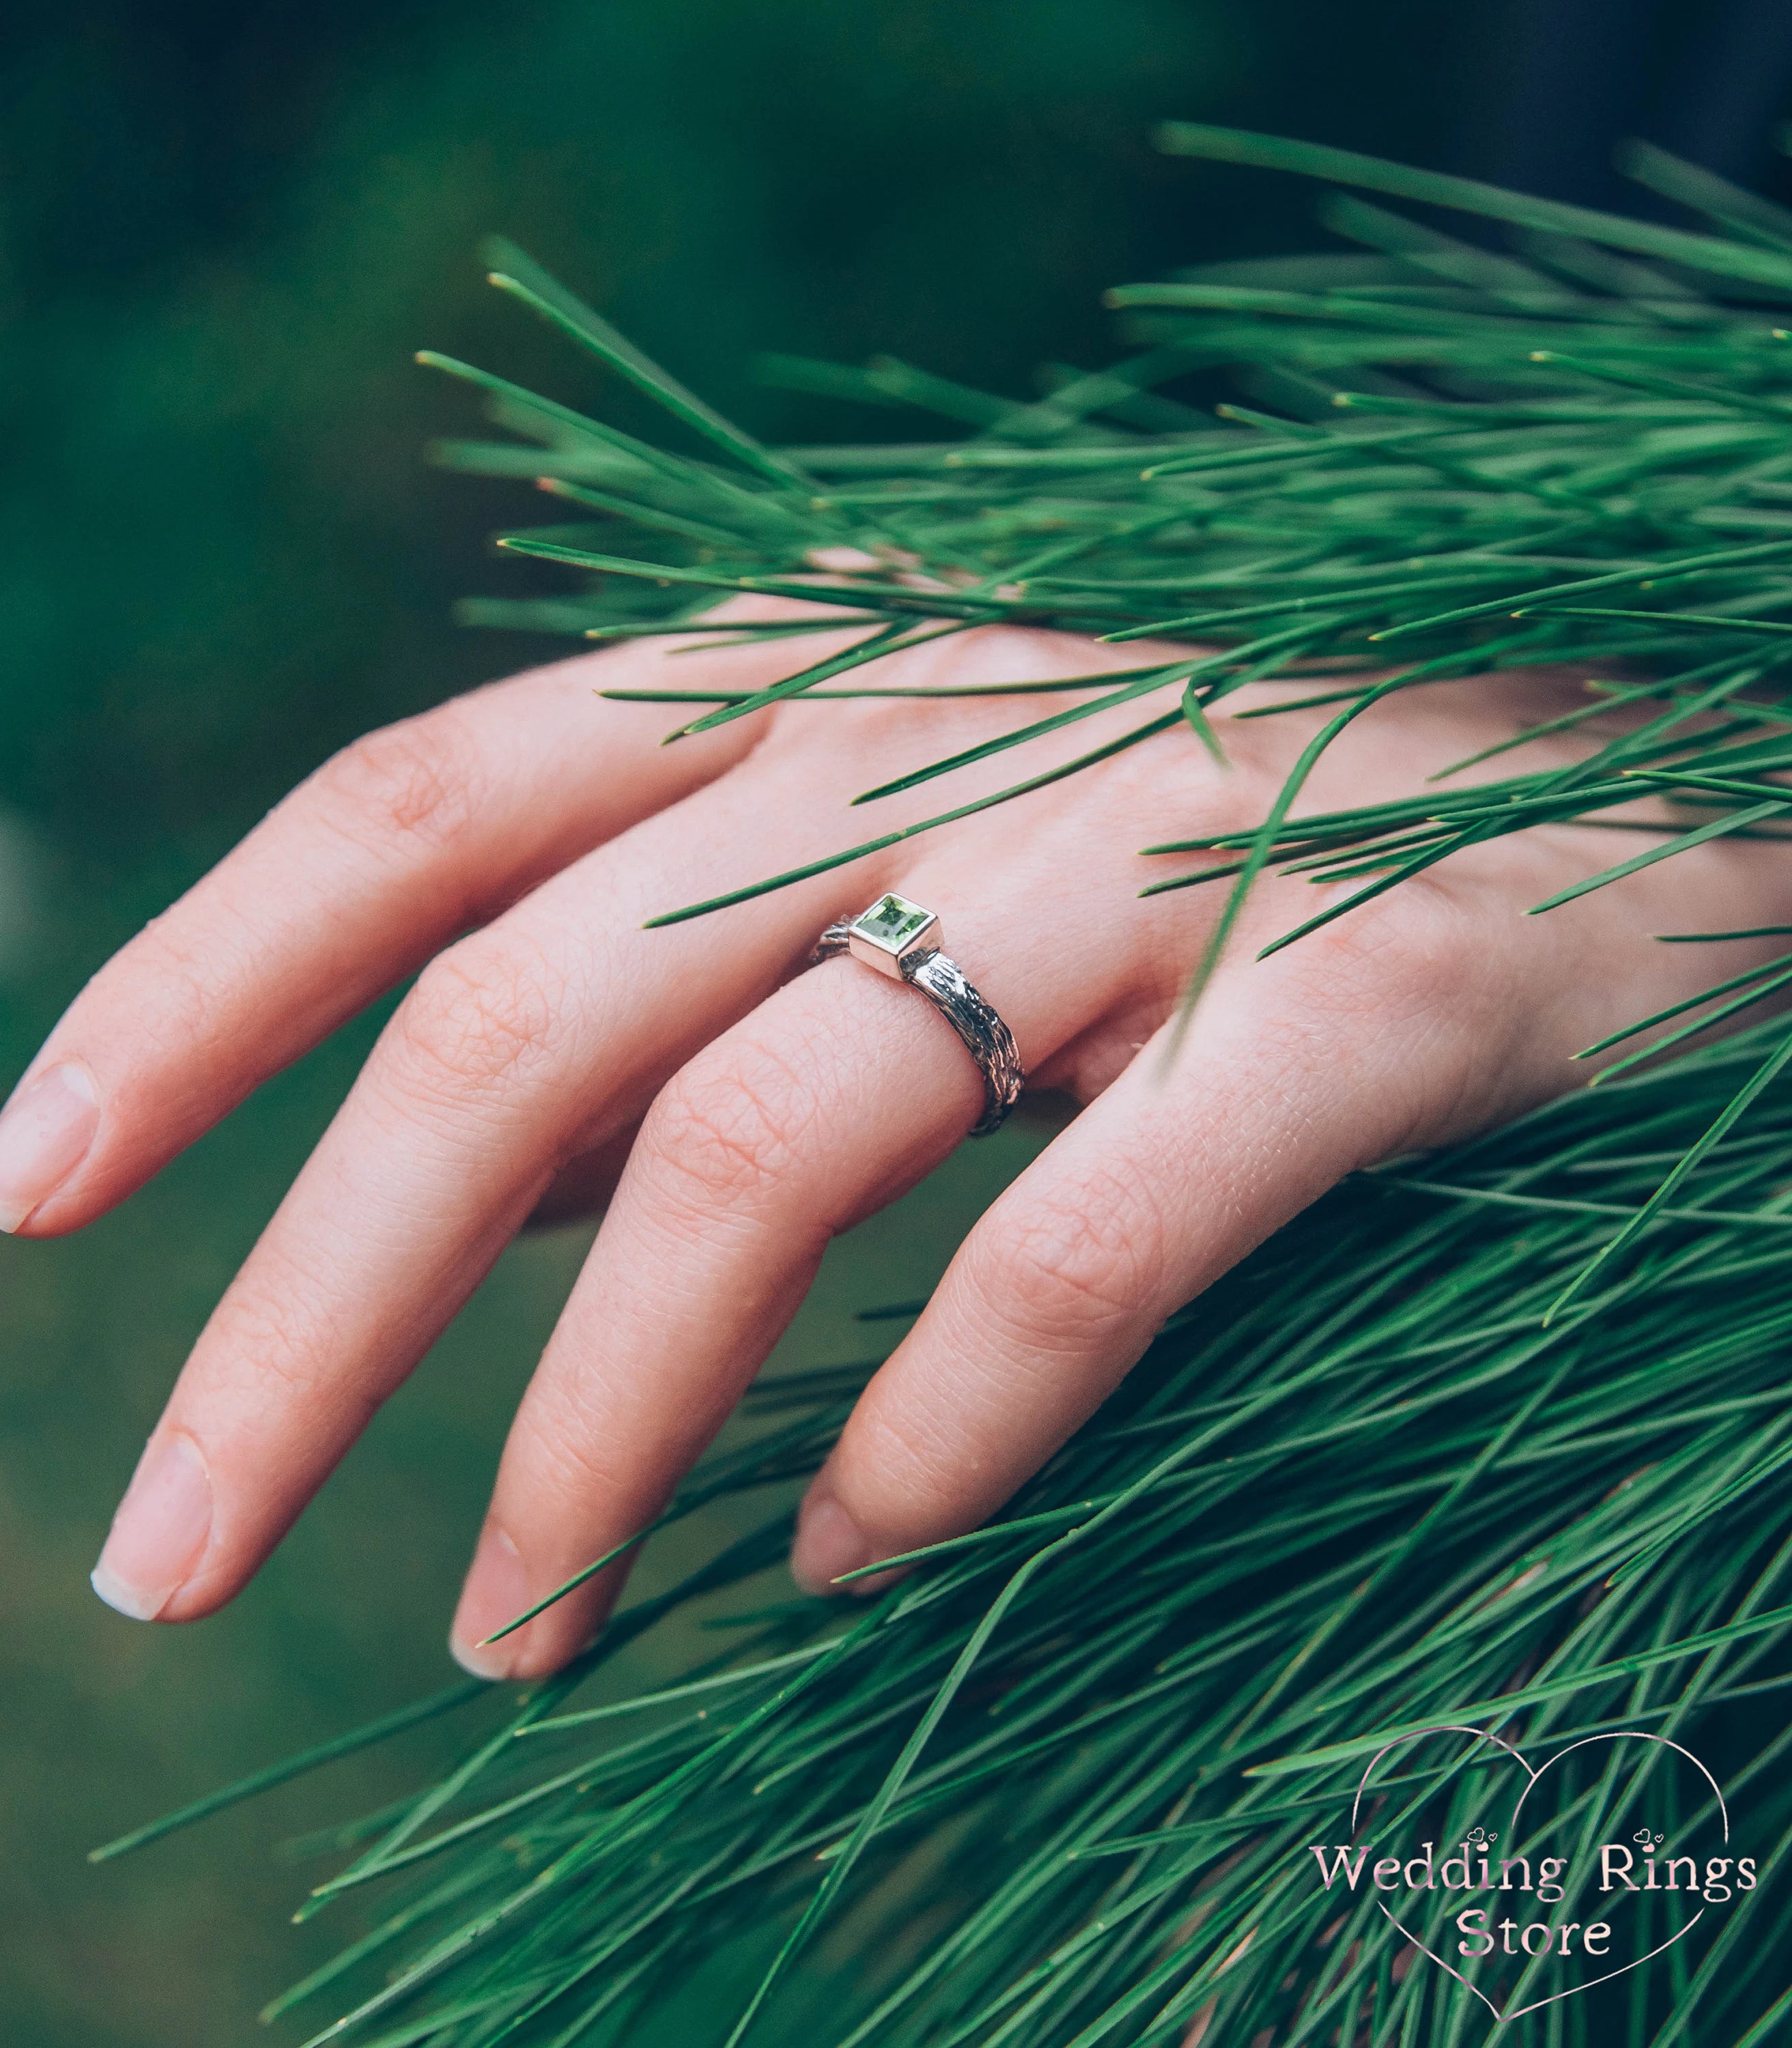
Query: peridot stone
[[891, 922]]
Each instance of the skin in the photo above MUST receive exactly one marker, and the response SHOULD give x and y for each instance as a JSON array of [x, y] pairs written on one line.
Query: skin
[[736, 1111]]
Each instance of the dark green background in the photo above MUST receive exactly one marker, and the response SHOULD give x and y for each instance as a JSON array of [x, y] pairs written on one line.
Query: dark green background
[[221, 555]]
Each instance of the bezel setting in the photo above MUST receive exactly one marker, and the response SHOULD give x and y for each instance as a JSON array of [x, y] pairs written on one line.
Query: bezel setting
[[885, 935]]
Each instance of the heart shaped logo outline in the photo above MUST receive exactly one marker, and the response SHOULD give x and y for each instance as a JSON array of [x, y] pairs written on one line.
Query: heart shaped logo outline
[[1531, 1777]]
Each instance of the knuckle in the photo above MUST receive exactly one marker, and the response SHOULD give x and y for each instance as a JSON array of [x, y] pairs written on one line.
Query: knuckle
[[481, 1011], [1406, 959], [414, 783], [1442, 952], [1092, 1255], [170, 991], [999, 654], [725, 1131], [906, 1470], [570, 1459], [1400, 1004], [263, 1349], [1231, 804]]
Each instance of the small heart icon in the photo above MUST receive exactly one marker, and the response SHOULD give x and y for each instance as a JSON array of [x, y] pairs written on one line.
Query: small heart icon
[[1633, 1854]]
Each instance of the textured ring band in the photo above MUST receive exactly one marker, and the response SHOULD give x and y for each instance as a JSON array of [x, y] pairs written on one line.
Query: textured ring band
[[901, 939]]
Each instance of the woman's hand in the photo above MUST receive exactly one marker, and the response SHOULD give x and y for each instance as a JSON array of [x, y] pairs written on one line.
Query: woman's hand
[[509, 846]]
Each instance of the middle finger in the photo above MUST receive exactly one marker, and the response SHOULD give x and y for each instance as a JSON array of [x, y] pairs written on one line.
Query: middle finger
[[830, 1099]]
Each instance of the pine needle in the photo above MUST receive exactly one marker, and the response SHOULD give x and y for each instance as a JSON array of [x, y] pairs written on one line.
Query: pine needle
[[1501, 1437]]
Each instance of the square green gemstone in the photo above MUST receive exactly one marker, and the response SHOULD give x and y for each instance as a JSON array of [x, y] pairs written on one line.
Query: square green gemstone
[[892, 922]]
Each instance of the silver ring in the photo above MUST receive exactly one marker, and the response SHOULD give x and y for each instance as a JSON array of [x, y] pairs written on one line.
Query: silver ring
[[902, 940]]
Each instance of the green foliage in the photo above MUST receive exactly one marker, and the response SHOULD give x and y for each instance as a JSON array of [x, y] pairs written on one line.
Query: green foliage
[[1499, 1438], [222, 232], [1069, 1769]]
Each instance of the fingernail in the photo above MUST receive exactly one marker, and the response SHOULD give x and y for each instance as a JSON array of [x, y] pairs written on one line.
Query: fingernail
[[160, 1530], [828, 1542], [45, 1133], [496, 1592]]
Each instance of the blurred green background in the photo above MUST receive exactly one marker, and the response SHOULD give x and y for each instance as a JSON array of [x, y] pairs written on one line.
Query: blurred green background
[[222, 234]]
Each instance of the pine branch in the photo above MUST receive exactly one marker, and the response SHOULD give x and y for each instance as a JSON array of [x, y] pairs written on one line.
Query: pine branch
[[1501, 1434]]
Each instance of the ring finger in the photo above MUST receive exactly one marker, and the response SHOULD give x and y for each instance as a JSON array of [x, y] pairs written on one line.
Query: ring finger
[[830, 1099]]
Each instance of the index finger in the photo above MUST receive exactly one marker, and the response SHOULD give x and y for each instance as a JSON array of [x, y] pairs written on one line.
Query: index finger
[[400, 842]]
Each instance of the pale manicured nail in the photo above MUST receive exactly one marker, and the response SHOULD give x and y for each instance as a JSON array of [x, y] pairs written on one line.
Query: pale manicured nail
[[828, 1542], [496, 1592], [45, 1133], [160, 1530]]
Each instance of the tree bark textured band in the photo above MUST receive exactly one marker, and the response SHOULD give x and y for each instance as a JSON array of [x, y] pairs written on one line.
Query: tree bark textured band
[[899, 938]]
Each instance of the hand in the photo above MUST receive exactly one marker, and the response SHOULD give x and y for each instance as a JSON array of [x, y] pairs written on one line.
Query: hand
[[738, 1111]]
